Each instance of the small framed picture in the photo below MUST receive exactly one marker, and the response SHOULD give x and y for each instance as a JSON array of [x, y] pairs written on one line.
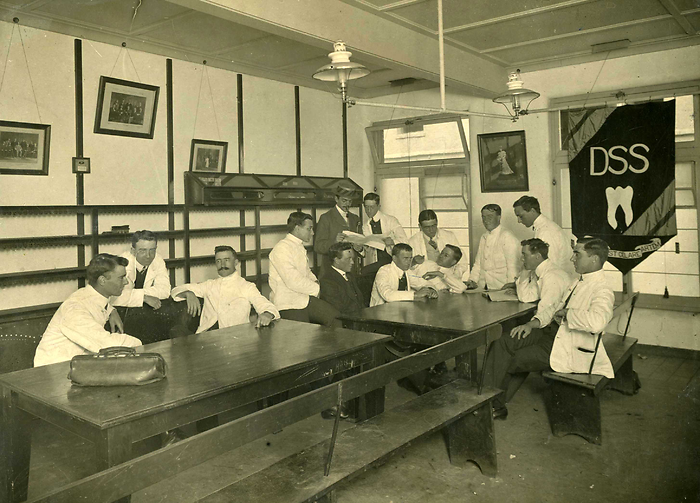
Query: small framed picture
[[208, 156], [503, 162], [81, 164], [24, 148], [126, 108]]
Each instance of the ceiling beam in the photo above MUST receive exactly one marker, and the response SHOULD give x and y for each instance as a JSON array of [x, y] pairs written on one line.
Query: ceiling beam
[[372, 38], [680, 19]]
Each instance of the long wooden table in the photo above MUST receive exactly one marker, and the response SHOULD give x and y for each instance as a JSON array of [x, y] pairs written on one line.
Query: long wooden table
[[206, 374], [434, 321]]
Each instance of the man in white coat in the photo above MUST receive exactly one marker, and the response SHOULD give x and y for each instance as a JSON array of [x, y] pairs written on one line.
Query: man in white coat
[[227, 299], [78, 326], [570, 343], [392, 284], [498, 256], [429, 241], [440, 275], [145, 305]]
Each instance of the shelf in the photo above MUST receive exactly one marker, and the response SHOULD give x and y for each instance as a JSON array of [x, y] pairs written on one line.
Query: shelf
[[44, 241], [41, 276]]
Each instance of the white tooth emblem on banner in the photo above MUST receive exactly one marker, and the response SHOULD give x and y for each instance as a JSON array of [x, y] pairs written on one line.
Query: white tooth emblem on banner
[[617, 197]]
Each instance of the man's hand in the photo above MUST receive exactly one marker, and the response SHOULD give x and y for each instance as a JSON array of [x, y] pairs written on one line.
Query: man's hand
[[359, 249], [471, 285], [417, 259], [193, 306], [560, 316], [521, 332], [388, 241], [433, 274], [339, 237], [509, 286], [264, 320], [115, 323], [425, 293], [152, 301]]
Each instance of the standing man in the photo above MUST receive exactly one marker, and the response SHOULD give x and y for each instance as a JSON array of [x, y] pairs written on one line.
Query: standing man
[[228, 298], [145, 305], [338, 286], [498, 256], [381, 223], [429, 241], [77, 327], [392, 283], [294, 287], [569, 343], [527, 209], [336, 220]]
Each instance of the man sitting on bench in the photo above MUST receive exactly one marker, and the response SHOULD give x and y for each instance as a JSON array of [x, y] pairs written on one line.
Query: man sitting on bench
[[569, 342]]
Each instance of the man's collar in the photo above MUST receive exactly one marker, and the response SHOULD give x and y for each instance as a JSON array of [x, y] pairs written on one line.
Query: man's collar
[[233, 276], [592, 275], [400, 271], [295, 239], [428, 238], [539, 220], [495, 231], [96, 296], [377, 216], [341, 211], [542, 268], [341, 272]]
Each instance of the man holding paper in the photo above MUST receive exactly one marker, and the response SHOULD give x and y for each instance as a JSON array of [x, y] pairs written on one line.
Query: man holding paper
[[386, 227], [331, 225]]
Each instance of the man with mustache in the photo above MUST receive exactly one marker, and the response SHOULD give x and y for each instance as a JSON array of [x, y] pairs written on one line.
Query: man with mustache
[[228, 298]]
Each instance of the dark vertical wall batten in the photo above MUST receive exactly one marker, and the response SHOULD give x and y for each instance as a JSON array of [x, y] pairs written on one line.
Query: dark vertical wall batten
[[79, 181], [171, 161], [345, 140], [241, 152], [297, 118]]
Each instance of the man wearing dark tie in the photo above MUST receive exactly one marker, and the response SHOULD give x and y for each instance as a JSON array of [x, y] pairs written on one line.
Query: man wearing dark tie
[[429, 241], [338, 285], [331, 225], [392, 283]]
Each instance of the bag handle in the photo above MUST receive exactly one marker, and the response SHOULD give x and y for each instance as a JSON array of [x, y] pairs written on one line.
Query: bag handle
[[116, 351]]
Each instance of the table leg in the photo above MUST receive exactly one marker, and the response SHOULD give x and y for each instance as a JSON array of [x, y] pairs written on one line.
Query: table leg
[[372, 403], [15, 450], [466, 366], [114, 448]]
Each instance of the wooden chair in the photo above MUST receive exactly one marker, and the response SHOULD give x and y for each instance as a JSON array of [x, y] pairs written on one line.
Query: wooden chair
[[575, 404]]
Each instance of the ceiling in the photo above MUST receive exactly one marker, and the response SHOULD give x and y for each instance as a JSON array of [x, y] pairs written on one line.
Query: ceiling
[[396, 40]]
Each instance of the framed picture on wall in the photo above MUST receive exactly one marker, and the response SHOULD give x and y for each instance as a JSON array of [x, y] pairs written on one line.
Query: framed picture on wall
[[503, 162], [24, 148], [126, 108], [208, 156]]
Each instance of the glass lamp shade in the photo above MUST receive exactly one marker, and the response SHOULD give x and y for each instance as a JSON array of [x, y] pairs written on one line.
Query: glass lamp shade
[[340, 69], [516, 94]]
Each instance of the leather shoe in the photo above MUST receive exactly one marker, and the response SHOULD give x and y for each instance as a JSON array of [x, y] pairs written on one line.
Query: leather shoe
[[171, 437], [500, 413], [333, 411]]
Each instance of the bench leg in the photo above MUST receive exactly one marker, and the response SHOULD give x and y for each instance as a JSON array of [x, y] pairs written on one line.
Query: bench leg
[[626, 379], [574, 411], [472, 438], [329, 497]]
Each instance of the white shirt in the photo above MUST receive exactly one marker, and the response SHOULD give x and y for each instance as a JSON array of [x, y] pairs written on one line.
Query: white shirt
[[77, 328], [156, 284], [497, 259], [390, 228], [227, 301], [386, 286], [442, 237], [342, 214], [290, 276], [559, 241], [547, 283], [451, 280], [589, 311]]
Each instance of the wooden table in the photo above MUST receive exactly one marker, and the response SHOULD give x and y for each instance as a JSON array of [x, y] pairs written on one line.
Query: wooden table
[[206, 374], [434, 321]]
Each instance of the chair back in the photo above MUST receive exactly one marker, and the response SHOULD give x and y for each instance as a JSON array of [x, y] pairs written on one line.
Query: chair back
[[17, 351]]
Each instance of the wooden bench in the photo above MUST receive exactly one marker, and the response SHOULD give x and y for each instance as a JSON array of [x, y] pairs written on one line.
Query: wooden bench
[[575, 404], [459, 409]]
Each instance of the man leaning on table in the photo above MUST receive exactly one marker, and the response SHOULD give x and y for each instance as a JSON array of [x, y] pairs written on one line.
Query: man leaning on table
[[227, 299], [392, 283], [562, 335], [430, 240], [498, 256], [77, 327], [443, 274]]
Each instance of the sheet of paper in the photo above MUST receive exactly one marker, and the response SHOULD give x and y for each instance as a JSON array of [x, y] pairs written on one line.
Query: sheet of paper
[[502, 296], [373, 240]]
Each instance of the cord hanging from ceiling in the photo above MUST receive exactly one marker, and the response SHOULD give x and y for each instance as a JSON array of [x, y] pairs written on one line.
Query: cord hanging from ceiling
[[26, 63]]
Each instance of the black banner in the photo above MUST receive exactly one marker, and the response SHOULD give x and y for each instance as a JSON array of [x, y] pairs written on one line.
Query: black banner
[[622, 171]]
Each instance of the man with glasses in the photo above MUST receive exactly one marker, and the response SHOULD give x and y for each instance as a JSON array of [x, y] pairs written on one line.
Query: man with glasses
[[145, 305]]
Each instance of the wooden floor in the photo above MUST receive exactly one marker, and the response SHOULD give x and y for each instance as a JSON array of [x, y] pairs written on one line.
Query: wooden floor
[[650, 452]]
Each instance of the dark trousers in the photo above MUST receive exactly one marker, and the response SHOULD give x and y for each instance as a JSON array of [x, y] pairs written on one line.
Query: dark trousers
[[317, 311], [510, 360], [152, 325]]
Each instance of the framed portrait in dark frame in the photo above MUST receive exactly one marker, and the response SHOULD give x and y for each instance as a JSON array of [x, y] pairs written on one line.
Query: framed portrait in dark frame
[[126, 108], [24, 148], [503, 162], [207, 156]]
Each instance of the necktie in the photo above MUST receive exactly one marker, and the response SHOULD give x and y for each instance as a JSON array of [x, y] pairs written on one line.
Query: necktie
[[140, 278], [376, 226], [432, 243], [403, 283], [347, 216], [566, 302]]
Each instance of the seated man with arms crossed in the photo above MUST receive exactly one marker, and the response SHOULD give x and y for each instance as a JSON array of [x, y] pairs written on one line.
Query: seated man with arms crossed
[[443, 274], [228, 298], [145, 305], [562, 335], [294, 287], [77, 327], [339, 286], [497, 260]]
